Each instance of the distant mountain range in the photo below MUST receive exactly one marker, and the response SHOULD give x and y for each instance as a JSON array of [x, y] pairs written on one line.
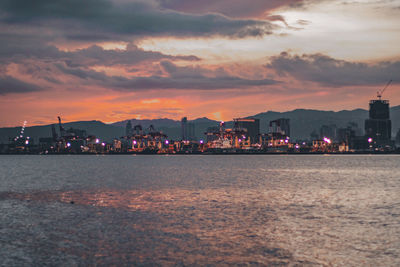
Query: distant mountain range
[[302, 123]]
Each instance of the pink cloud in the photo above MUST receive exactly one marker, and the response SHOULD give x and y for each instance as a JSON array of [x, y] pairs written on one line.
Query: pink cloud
[[233, 8]]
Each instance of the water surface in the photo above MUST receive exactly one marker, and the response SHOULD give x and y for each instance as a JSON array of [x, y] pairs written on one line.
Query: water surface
[[305, 210]]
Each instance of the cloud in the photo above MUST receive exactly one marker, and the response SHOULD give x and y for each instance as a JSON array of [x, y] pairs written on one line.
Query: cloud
[[18, 48], [328, 71], [96, 55], [10, 85], [194, 78], [107, 20], [38, 70], [232, 8]]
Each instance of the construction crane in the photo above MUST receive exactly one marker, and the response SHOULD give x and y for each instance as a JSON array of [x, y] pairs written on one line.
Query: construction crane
[[379, 93], [62, 131]]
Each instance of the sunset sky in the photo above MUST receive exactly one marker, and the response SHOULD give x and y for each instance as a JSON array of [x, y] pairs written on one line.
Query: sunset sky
[[112, 60]]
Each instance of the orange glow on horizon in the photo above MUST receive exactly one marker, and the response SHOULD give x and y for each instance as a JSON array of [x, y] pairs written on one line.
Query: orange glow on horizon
[[112, 106]]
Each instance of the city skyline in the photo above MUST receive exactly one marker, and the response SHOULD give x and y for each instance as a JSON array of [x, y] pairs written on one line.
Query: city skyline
[[113, 60]]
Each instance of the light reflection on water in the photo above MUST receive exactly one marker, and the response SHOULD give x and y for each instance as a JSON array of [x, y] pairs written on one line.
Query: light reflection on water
[[223, 210]]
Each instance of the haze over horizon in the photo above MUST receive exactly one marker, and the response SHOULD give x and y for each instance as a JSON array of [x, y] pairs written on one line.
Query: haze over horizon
[[55, 121], [113, 60]]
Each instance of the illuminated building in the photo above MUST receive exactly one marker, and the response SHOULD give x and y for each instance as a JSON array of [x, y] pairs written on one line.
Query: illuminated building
[[151, 142], [251, 126], [212, 134], [379, 126], [329, 131], [325, 145], [117, 145], [278, 137]]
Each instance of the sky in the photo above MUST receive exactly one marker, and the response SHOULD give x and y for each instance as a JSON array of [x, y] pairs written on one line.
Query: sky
[[113, 60]]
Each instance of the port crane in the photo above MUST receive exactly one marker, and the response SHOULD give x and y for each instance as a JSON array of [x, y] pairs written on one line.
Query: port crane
[[62, 130], [380, 92], [155, 134]]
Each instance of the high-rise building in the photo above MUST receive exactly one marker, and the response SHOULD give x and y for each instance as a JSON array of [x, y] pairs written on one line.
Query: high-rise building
[[128, 128], [398, 137], [379, 126], [184, 128], [187, 130], [281, 126], [251, 125], [190, 131]]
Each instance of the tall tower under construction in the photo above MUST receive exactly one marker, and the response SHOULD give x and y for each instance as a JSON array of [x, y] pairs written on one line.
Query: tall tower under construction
[[379, 126]]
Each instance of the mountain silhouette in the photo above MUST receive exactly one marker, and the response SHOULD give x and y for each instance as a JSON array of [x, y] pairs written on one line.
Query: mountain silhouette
[[302, 123]]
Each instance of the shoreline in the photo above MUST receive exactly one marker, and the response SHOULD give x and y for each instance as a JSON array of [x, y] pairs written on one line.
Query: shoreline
[[222, 153]]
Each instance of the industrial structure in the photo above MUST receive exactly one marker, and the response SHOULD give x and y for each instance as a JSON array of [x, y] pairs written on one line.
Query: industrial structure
[[229, 139], [249, 127], [281, 126], [378, 127], [278, 137], [151, 141], [243, 136]]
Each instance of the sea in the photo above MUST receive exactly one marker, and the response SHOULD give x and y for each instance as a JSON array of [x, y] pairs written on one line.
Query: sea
[[200, 210]]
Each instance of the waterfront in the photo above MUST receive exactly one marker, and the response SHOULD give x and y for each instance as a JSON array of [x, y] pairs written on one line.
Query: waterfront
[[341, 210]]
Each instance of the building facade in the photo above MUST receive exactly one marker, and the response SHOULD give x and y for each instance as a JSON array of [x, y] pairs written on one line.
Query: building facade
[[379, 126], [281, 126], [251, 126], [187, 130]]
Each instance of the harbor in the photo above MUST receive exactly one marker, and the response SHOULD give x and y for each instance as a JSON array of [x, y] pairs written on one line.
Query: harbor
[[243, 137]]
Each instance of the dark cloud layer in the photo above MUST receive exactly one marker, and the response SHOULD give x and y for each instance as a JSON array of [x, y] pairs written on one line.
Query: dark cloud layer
[[17, 48], [96, 55], [328, 71], [29, 30], [10, 85], [194, 78], [105, 19]]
